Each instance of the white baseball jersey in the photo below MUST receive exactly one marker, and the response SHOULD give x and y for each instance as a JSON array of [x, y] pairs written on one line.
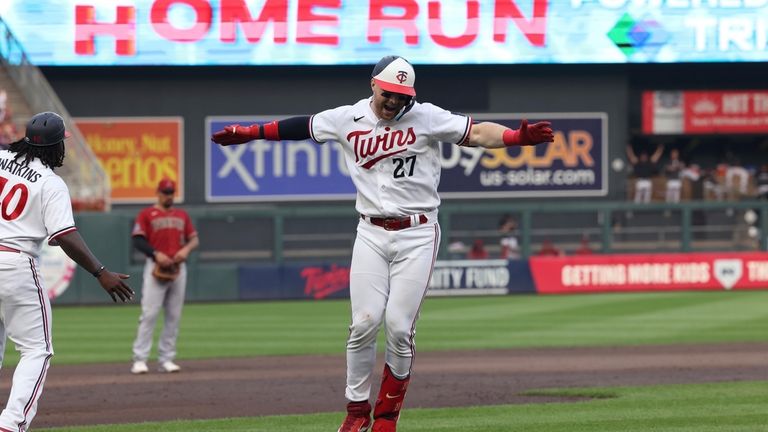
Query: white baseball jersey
[[34, 204], [394, 164]]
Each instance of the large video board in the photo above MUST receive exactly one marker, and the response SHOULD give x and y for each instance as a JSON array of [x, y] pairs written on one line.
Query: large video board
[[332, 32]]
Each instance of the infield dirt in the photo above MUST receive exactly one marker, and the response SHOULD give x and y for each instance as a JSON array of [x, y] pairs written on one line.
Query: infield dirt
[[257, 386]]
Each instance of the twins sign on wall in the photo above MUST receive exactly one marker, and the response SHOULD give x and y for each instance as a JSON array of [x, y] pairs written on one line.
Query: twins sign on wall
[[573, 165]]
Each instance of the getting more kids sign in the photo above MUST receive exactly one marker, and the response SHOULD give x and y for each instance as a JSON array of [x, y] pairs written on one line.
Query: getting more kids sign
[[136, 153]]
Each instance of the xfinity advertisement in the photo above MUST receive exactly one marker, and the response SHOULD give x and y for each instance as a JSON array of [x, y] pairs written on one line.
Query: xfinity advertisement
[[573, 165]]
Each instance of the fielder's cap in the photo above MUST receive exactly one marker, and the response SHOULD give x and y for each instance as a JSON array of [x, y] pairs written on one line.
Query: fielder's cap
[[166, 185], [394, 74], [45, 129]]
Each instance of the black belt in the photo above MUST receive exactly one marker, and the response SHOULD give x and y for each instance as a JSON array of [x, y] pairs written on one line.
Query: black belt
[[8, 249], [393, 223]]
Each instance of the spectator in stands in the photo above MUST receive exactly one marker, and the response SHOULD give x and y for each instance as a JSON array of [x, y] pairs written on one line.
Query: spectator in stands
[[510, 247], [762, 182], [693, 175], [673, 172], [457, 249], [584, 248], [736, 177], [713, 182], [478, 250], [548, 249], [644, 168]]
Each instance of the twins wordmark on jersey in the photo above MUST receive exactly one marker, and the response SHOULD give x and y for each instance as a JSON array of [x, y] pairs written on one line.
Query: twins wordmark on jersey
[[370, 148]]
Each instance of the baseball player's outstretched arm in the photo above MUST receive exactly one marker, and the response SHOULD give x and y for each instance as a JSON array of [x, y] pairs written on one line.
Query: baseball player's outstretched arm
[[494, 135], [293, 128], [74, 246]]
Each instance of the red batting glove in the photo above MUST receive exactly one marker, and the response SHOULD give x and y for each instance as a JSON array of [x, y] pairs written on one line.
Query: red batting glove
[[529, 135], [236, 134]]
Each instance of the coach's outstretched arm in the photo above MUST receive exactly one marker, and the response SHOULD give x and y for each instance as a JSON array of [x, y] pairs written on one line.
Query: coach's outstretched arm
[[292, 128], [494, 135], [74, 246]]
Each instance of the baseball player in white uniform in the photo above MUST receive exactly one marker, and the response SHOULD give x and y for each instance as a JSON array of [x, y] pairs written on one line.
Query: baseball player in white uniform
[[35, 205], [390, 143]]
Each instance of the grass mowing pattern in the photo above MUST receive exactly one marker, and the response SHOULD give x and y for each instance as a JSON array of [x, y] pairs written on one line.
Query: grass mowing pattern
[[105, 333], [714, 407]]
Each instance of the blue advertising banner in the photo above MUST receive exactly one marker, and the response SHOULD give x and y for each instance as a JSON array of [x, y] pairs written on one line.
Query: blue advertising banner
[[332, 32], [575, 164], [322, 281], [273, 171]]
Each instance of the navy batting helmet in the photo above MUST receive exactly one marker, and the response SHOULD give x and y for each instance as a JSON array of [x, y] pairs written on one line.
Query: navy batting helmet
[[45, 129]]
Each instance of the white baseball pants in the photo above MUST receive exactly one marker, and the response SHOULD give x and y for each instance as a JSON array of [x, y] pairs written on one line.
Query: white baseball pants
[[389, 277], [25, 318]]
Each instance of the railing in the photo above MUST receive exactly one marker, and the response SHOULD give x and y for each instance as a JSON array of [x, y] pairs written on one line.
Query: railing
[[618, 226], [232, 237], [327, 233], [88, 183]]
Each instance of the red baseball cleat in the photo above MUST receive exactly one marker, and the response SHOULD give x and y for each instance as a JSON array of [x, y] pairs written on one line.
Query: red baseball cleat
[[358, 417], [384, 425]]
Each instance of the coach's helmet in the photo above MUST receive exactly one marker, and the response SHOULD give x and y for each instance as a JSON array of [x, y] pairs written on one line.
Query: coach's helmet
[[394, 74], [45, 129]]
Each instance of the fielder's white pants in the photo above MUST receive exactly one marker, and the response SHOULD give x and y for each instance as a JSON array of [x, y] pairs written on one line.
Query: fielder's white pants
[[157, 296], [25, 319], [388, 280]]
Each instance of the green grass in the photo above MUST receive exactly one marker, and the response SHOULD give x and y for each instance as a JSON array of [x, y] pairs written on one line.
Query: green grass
[[717, 407], [105, 333]]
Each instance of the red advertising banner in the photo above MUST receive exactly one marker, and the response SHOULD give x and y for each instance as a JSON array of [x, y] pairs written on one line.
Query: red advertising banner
[[650, 272], [136, 153], [705, 112]]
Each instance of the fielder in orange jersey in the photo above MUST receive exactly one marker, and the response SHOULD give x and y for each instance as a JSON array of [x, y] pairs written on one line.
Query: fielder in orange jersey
[[390, 143]]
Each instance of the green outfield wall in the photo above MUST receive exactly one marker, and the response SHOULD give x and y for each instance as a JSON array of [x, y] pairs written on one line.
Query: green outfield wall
[[235, 237]]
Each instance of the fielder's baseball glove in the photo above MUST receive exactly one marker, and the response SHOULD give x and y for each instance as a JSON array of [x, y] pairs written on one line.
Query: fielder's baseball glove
[[165, 274]]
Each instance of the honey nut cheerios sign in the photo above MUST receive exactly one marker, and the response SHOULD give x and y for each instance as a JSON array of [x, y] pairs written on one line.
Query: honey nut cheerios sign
[[136, 153]]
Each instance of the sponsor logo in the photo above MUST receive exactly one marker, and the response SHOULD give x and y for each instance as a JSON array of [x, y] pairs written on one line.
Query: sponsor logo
[[321, 283], [705, 106], [356, 119], [633, 36], [728, 272], [389, 396]]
